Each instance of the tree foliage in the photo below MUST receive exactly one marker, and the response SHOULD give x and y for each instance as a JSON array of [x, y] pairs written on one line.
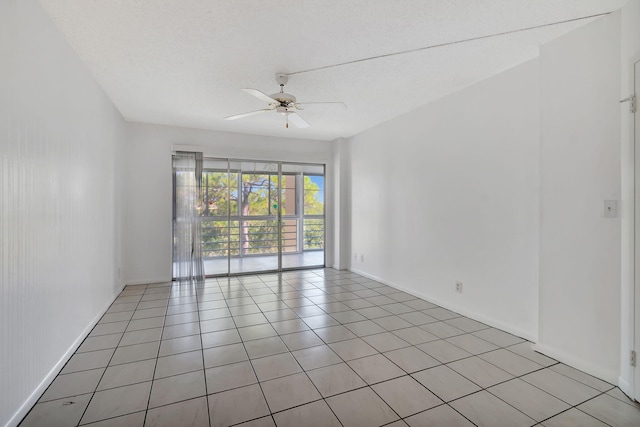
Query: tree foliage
[[251, 201]]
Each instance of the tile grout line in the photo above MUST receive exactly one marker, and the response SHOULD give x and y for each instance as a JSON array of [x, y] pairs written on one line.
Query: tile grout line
[[323, 398], [204, 369], [110, 358], [146, 412], [303, 371], [576, 408], [125, 332], [533, 385], [406, 374], [329, 285], [291, 353], [169, 376], [307, 375], [476, 355], [378, 352], [250, 364], [392, 331], [366, 385]]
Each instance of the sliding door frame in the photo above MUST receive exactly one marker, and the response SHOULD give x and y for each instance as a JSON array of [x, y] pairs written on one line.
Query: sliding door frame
[[299, 215]]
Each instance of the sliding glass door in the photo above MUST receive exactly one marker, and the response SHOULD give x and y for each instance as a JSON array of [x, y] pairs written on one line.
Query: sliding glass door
[[303, 215], [257, 219], [219, 231], [259, 216]]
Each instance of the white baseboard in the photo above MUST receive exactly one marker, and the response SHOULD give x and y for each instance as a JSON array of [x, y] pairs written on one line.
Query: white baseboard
[[590, 368], [608, 375], [147, 281], [53, 373], [480, 317], [626, 388], [372, 277]]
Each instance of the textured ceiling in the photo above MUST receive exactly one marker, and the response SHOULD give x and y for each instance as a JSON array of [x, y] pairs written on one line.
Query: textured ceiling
[[184, 62]]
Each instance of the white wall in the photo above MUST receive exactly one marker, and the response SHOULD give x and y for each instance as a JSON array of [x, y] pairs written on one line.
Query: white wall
[[449, 193], [630, 52], [147, 217], [60, 141], [579, 169], [501, 186]]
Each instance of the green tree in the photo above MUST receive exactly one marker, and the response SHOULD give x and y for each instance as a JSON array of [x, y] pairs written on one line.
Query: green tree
[[313, 228], [246, 195], [313, 200]]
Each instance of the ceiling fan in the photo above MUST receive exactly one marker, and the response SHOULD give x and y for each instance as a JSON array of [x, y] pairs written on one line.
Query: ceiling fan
[[282, 103]]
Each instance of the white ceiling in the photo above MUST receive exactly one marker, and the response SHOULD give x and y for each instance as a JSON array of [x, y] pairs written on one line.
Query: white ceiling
[[183, 62]]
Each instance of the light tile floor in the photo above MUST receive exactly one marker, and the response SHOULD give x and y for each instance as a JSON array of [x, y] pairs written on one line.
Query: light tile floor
[[312, 348]]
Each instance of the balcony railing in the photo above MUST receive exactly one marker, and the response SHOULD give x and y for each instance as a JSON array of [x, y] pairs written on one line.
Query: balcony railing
[[247, 237]]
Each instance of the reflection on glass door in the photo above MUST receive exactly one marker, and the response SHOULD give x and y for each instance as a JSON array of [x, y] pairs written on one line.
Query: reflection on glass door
[[261, 216]]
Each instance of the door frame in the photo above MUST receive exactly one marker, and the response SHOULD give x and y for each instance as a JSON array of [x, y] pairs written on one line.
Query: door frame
[[629, 380], [635, 288], [279, 216]]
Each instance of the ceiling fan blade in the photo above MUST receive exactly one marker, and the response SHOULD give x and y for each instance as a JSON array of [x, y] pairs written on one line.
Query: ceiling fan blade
[[243, 115], [297, 121], [261, 95], [302, 105]]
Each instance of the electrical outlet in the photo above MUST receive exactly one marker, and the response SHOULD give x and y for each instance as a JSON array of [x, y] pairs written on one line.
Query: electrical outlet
[[610, 208], [355, 256], [361, 258], [459, 287]]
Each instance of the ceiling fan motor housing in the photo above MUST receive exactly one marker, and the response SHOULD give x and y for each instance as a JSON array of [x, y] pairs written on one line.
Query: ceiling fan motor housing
[[283, 98]]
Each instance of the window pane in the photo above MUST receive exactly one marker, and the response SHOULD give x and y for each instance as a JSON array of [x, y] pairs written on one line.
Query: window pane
[[215, 193], [289, 198], [259, 236], [214, 238], [313, 195], [313, 234], [234, 244], [256, 194], [290, 235]]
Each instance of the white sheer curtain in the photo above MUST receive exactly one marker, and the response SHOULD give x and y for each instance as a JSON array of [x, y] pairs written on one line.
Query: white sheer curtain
[[187, 206]]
